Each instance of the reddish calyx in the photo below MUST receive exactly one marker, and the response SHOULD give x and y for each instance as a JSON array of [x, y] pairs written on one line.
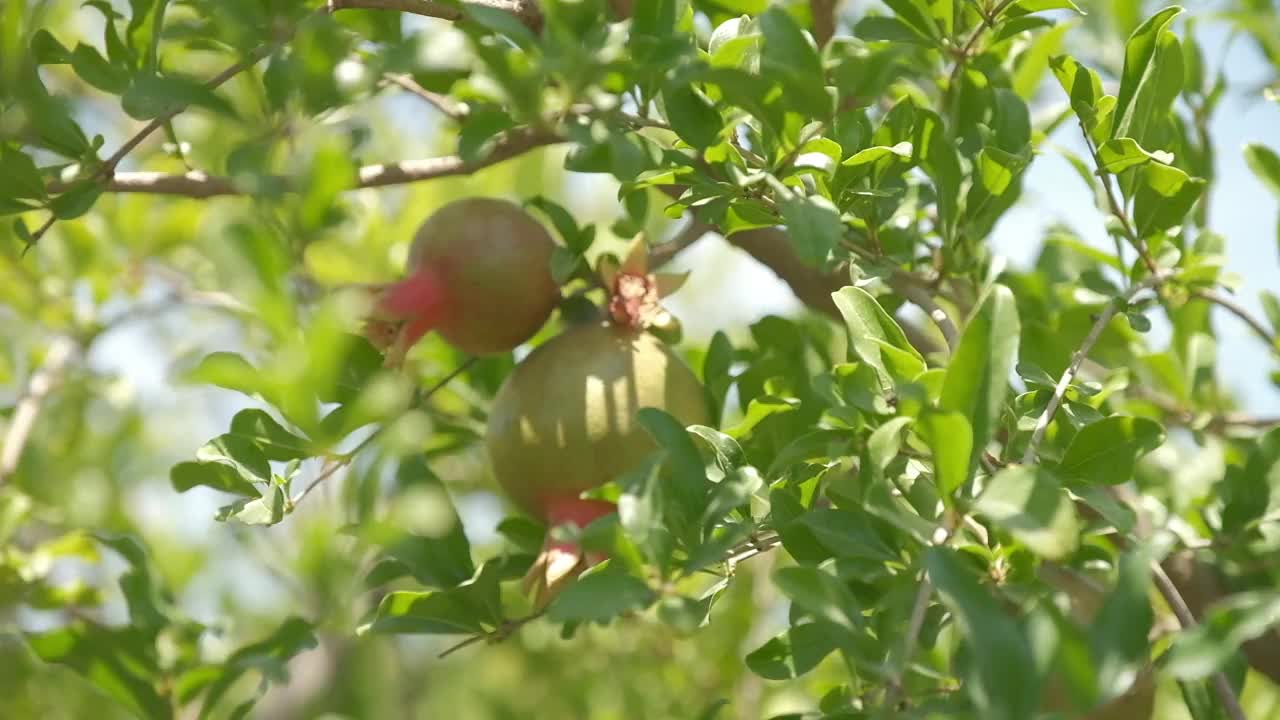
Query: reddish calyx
[[405, 311], [561, 561]]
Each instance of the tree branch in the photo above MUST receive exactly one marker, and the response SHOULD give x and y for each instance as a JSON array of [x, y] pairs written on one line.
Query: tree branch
[[526, 11], [824, 20], [446, 105], [28, 409], [1060, 391], [1221, 686], [200, 185], [1239, 311]]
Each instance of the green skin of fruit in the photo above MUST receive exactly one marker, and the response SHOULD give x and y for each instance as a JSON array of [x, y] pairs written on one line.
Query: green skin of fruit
[[565, 419], [479, 275]]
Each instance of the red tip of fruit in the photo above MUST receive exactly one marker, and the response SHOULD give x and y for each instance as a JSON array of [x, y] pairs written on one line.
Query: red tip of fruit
[[419, 297], [561, 561]]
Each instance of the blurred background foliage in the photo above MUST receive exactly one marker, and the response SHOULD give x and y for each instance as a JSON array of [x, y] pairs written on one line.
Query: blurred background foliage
[[107, 316]]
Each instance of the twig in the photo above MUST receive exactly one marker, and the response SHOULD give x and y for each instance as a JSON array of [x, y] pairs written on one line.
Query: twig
[[1221, 686], [500, 633], [824, 20], [1117, 208], [526, 11], [916, 621], [1239, 311], [966, 52], [334, 464], [446, 105], [688, 235], [28, 408], [1060, 391], [200, 185]]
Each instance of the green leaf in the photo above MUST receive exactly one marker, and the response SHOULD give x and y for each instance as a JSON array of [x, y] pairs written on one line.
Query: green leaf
[[693, 117], [259, 511], [884, 444], [1265, 163], [867, 323], [95, 70], [1031, 505], [790, 55], [728, 452], [150, 96], [269, 656], [1205, 649], [845, 533], [1082, 85], [1164, 196], [1106, 451], [1123, 153], [977, 377], [76, 201], [219, 476], [794, 652], [757, 410], [1033, 6], [870, 155], [813, 225], [20, 178], [1002, 681], [120, 662], [950, 438], [820, 594], [470, 608], [1118, 633], [878, 27], [1141, 68], [1252, 491], [682, 455], [276, 443], [600, 597], [46, 50], [149, 605]]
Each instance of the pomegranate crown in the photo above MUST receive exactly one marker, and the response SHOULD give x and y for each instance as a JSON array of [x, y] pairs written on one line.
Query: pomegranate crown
[[635, 294]]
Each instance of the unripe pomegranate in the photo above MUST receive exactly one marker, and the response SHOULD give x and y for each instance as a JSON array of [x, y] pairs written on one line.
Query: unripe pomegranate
[[565, 422], [478, 273]]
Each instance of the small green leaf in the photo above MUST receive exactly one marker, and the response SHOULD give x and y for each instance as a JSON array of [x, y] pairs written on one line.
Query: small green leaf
[[258, 511], [814, 226], [1033, 6], [867, 322], [869, 155], [1123, 153], [600, 597], [46, 49], [789, 54], [757, 410], [150, 96], [950, 438], [20, 178], [76, 201], [977, 377], [693, 117], [1106, 451], [1001, 679], [1118, 633], [95, 70], [1030, 504], [820, 594], [1164, 196], [470, 608], [794, 652], [1140, 68], [1204, 649]]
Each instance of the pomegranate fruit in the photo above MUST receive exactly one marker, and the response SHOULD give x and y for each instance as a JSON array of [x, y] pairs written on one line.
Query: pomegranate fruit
[[479, 274], [565, 422]]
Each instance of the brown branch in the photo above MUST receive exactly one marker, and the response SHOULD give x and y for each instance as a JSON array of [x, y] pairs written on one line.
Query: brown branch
[[446, 105], [1239, 311], [28, 409], [201, 185], [526, 11], [824, 20]]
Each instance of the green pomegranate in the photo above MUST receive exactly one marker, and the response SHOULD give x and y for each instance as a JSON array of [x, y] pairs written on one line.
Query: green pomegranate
[[479, 274], [565, 422]]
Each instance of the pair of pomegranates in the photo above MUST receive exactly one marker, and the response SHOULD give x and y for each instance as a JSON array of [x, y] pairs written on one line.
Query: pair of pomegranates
[[564, 421]]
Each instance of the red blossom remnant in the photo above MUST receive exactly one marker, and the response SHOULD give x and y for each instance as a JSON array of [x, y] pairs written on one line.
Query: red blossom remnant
[[635, 294]]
